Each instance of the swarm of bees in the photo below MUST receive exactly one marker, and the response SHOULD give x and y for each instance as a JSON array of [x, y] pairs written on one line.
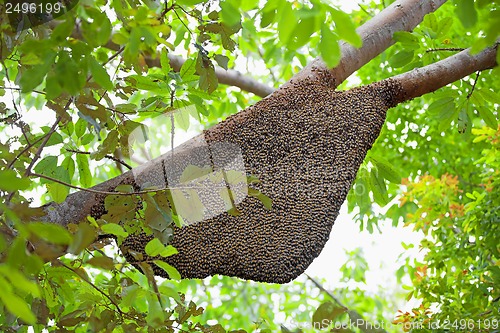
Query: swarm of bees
[[305, 143]]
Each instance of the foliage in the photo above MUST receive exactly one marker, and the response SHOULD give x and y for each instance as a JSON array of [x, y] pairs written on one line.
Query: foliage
[[74, 101], [458, 280]]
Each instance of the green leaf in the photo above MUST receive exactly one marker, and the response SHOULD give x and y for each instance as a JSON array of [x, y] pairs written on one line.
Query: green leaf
[[193, 172], [401, 58], [466, 12], [187, 204], [18, 307], [46, 164], [19, 281], [188, 70], [444, 26], [345, 28], [221, 60], [108, 146], [154, 247], [85, 235], [58, 192], [266, 201], [102, 262], [325, 314], [488, 95], [53, 88], [33, 77], [407, 39], [181, 118], [488, 116], [171, 271], [165, 62], [168, 251], [379, 189], [52, 233], [80, 127], [97, 30], [302, 32], [329, 46], [267, 18], [441, 105], [170, 292], [386, 169], [229, 13], [9, 181], [114, 229], [69, 73], [69, 165], [286, 23], [157, 214], [82, 161], [100, 75], [63, 29]]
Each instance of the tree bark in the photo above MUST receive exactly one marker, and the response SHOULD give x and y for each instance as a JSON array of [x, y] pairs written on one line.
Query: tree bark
[[304, 134], [413, 84], [376, 34], [79, 205], [427, 79]]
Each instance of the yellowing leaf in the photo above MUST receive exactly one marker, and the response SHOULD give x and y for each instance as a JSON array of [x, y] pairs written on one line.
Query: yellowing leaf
[[101, 262], [114, 229]]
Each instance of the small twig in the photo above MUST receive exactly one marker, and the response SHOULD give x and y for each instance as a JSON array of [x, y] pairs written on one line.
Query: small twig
[[473, 85], [117, 160], [356, 319], [28, 147], [19, 89], [38, 152], [189, 14], [34, 174], [44, 142], [172, 124], [273, 77], [95, 287], [116, 54], [182, 22], [364, 10], [167, 9], [451, 49], [320, 287], [8, 80]]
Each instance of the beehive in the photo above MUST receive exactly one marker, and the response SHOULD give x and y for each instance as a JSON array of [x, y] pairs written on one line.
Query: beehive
[[305, 143]]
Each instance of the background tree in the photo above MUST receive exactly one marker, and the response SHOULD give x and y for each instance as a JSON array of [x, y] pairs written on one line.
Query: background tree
[[97, 74]]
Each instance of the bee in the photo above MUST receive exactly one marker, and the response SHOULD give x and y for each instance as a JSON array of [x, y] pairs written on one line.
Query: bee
[[315, 141]]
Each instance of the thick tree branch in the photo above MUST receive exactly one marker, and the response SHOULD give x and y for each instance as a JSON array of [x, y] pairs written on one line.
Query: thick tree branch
[[427, 79], [376, 34], [78, 205], [228, 77]]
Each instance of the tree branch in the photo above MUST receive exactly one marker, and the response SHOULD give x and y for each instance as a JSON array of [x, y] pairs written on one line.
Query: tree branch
[[420, 81], [228, 77], [376, 34]]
